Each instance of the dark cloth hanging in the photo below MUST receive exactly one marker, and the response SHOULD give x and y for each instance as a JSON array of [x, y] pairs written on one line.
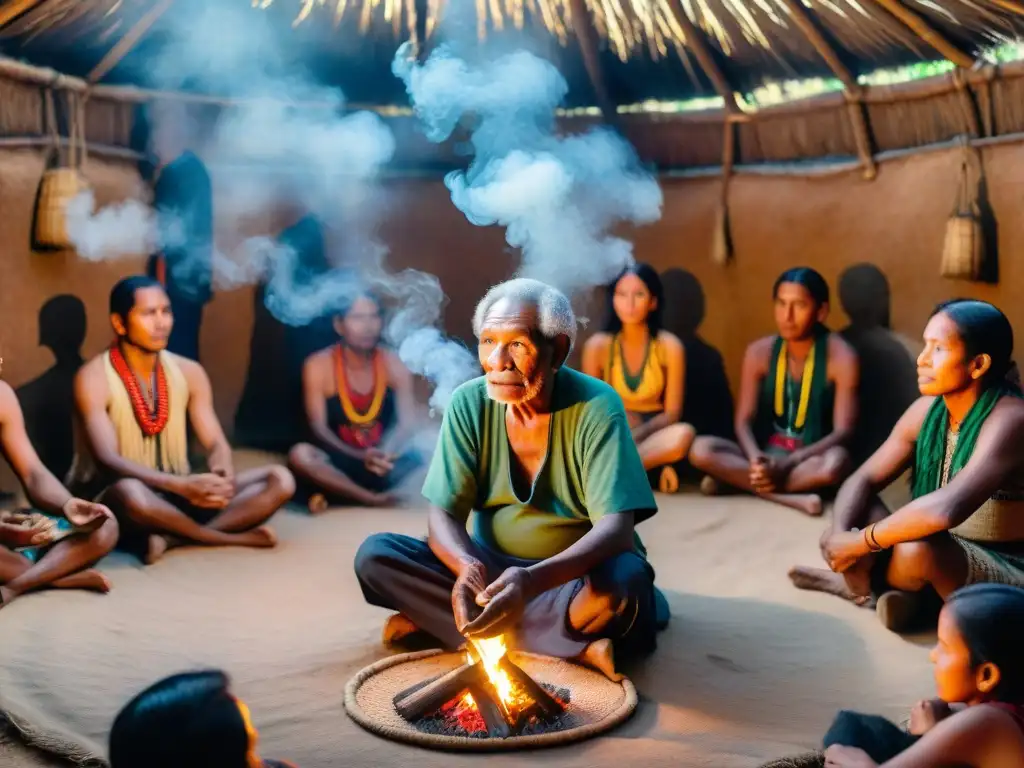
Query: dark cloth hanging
[[183, 199], [270, 415]]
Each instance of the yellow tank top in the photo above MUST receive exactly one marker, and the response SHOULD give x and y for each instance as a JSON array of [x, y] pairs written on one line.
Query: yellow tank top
[[166, 452], [645, 391]]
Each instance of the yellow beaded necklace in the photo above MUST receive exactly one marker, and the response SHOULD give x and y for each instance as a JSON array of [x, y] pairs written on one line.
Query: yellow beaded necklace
[[781, 369], [380, 385]]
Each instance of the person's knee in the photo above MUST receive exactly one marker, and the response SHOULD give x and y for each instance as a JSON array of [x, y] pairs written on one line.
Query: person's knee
[[374, 558], [624, 576], [106, 536], [701, 452], [282, 482], [916, 560], [301, 455], [131, 495], [838, 466]]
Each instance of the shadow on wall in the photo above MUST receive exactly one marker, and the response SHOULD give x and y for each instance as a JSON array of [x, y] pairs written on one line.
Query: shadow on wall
[[270, 415], [888, 369], [48, 400], [707, 403]]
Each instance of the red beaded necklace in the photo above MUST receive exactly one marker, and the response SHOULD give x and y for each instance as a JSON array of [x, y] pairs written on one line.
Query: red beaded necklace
[[152, 423]]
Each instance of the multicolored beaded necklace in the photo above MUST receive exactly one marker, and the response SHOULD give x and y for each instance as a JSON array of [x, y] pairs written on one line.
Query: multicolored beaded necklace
[[152, 422], [345, 394]]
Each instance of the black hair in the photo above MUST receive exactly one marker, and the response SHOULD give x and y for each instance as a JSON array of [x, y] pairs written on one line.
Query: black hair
[[346, 303], [984, 330], [649, 277], [122, 295], [189, 719], [809, 278], [990, 618]]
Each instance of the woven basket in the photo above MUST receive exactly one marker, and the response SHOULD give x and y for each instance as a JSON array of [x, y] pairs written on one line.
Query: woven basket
[[62, 183], [963, 252]]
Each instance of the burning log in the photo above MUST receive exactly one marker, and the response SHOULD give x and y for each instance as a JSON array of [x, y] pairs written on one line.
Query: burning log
[[494, 715], [534, 691], [432, 696]]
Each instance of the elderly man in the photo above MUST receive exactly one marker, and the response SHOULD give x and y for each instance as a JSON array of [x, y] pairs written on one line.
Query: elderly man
[[544, 458]]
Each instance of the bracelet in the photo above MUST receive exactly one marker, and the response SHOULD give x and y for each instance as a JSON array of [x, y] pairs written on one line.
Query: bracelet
[[869, 538]]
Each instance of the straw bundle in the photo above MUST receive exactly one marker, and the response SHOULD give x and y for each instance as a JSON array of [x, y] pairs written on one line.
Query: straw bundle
[[63, 181], [963, 249]]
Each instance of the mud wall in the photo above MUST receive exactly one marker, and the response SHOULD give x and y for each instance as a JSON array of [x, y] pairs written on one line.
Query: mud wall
[[895, 222]]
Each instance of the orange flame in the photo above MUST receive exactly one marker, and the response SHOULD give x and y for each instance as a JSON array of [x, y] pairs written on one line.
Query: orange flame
[[491, 651]]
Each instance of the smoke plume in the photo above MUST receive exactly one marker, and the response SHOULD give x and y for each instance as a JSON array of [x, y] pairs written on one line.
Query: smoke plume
[[559, 197], [289, 141]]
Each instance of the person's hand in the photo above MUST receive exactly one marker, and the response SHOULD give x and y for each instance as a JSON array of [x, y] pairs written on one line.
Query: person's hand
[[837, 756], [207, 490], [504, 601], [471, 582], [926, 714], [225, 471], [86, 514], [378, 462], [18, 529], [765, 474], [842, 550]]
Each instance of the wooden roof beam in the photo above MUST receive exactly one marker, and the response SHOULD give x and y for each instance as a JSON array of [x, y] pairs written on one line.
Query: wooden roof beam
[[12, 9], [928, 33], [695, 42], [587, 36], [128, 41], [854, 91]]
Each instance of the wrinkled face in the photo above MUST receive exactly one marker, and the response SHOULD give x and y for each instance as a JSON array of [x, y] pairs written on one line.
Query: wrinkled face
[[796, 311], [943, 367], [361, 326], [149, 323], [632, 300], [956, 679], [516, 360]]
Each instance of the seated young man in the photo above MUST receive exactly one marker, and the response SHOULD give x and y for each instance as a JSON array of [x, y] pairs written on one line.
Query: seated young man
[[54, 544], [797, 405], [355, 393], [134, 403], [540, 461]]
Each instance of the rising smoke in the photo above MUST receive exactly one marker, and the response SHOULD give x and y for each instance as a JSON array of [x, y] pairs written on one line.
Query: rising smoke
[[290, 142], [558, 196]]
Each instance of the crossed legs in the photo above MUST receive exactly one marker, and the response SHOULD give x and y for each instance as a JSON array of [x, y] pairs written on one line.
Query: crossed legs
[[65, 565], [725, 461], [259, 494], [664, 448]]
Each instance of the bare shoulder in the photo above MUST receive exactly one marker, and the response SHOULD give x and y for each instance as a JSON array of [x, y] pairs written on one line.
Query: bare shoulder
[[1009, 415], [194, 373], [909, 424], [598, 342], [839, 349], [92, 373], [395, 367], [670, 341], [8, 401], [759, 352]]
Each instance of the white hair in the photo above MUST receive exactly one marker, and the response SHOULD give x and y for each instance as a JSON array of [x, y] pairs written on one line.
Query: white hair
[[554, 311]]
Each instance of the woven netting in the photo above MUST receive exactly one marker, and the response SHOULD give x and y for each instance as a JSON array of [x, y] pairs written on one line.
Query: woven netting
[[808, 760], [596, 703], [21, 110]]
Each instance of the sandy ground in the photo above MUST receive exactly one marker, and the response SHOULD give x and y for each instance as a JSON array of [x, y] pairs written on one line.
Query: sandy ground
[[750, 668]]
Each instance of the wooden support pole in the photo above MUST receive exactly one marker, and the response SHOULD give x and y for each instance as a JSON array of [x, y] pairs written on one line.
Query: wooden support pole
[[12, 9], [128, 41], [433, 695], [587, 36], [862, 138], [696, 43], [1010, 5], [967, 106], [927, 32]]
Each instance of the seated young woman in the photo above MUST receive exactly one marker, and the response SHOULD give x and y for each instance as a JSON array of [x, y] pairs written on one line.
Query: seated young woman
[[977, 719], [646, 365], [191, 719], [964, 440], [355, 394]]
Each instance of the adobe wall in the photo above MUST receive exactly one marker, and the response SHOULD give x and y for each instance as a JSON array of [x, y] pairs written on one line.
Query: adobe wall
[[896, 222]]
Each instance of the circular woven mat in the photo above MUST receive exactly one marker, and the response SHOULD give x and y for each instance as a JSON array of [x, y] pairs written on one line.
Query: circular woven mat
[[596, 703]]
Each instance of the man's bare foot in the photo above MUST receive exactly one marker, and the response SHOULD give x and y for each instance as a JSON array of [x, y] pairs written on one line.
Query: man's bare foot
[[6, 596], [709, 486], [668, 480], [156, 546], [396, 628], [808, 503], [262, 538], [600, 655], [88, 579], [820, 580], [317, 504], [385, 499]]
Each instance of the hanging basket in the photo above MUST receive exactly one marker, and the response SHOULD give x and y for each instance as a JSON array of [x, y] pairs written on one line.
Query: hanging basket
[[60, 183], [963, 252]]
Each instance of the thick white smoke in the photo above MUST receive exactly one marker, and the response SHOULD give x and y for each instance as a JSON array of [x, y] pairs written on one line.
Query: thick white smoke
[[559, 197], [290, 142]]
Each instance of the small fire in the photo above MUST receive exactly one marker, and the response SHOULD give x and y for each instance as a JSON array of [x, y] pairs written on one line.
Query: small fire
[[491, 651]]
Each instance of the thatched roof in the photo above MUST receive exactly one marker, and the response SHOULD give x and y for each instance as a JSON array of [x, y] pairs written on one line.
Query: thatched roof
[[616, 51]]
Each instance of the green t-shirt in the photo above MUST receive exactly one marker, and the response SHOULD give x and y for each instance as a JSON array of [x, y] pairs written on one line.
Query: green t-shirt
[[592, 469]]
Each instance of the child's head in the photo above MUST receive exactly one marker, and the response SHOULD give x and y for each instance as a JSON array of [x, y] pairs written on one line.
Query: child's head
[[977, 657]]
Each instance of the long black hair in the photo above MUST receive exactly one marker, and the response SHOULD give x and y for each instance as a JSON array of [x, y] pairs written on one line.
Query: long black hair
[[809, 278], [990, 618], [984, 330], [649, 277], [189, 719]]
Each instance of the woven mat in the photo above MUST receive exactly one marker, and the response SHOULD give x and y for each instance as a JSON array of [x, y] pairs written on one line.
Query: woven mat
[[596, 703]]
